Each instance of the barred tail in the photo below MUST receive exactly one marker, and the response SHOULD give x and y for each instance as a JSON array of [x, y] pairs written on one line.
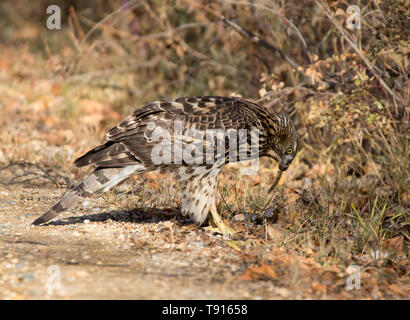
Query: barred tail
[[99, 179]]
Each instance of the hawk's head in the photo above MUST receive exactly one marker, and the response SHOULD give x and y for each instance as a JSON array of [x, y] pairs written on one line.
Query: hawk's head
[[282, 141]]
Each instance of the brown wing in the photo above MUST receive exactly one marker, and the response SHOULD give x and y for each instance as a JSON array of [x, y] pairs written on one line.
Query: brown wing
[[129, 142]]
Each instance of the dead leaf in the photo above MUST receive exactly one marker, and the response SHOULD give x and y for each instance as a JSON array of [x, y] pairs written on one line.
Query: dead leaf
[[393, 244], [319, 288], [263, 272], [394, 288], [339, 12], [275, 233]]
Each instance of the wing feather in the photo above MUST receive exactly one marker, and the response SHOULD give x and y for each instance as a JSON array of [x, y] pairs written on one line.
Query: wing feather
[[128, 142]]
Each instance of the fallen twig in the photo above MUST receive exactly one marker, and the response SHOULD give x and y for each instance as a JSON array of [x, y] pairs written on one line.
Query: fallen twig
[[42, 174]]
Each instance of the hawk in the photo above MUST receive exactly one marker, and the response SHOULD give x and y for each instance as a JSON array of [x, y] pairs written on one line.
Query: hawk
[[189, 137]]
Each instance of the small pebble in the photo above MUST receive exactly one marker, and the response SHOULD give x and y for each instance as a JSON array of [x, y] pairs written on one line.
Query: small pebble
[[198, 244], [239, 217], [85, 203], [85, 255]]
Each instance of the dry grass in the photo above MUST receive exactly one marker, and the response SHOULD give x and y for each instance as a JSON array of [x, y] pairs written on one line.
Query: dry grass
[[345, 198]]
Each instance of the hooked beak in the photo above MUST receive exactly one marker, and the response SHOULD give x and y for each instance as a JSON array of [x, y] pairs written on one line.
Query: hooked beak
[[283, 166], [284, 163]]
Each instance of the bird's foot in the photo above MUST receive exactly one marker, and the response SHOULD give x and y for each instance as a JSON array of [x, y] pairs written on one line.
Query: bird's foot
[[216, 225]]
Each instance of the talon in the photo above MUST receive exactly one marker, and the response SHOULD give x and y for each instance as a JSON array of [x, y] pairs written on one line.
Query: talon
[[217, 225]]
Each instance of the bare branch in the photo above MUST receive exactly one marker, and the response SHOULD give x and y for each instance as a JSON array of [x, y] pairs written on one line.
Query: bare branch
[[326, 10], [260, 41]]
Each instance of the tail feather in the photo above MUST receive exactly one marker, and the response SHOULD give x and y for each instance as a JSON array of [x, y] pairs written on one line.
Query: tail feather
[[99, 179]]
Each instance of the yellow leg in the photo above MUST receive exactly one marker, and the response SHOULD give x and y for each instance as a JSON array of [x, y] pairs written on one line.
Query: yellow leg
[[216, 224]]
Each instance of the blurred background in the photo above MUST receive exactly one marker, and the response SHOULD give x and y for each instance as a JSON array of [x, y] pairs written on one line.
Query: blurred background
[[346, 90]]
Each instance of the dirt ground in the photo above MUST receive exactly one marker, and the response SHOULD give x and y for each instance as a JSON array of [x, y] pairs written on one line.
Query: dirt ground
[[342, 207], [102, 253], [98, 251]]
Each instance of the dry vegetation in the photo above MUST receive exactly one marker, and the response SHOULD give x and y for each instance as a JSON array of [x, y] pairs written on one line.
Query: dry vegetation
[[344, 200]]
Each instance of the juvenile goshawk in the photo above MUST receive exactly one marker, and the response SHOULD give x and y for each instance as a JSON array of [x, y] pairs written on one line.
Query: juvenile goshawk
[[192, 137]]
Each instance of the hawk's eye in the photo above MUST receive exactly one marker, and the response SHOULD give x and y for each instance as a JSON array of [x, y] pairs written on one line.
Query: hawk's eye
[[289, 151]]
